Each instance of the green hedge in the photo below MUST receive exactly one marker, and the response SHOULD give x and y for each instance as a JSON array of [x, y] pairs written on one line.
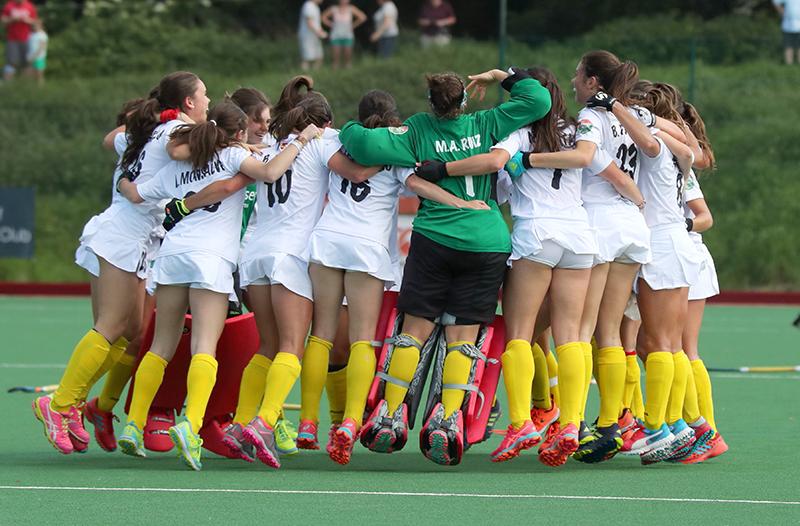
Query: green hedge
[[50, 137]]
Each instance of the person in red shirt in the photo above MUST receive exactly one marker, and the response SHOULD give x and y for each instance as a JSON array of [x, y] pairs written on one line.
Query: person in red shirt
[[435, 20], [17, 17]]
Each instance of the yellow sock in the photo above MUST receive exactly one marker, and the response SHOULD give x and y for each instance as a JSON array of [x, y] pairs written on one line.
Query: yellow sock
[[312, 379], [456, 371], [116, 380], [552, 372], [691, 407], [571, 380], [595, 354], [199, 383], [148, 379], [360, 372], [658, 377], [677, 393], [281, 377], [404, 363], [611, 382], [251, 388], [336, 388], [588, 365], [114, 354], [88, 357], [637, 407], [540, 392], [518, 369], [704, 393], [632, 374]]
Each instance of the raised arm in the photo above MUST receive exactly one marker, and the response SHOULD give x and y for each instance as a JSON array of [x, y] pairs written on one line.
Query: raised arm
[[529, 100], [379, 146], [623, 184], [108, 140], [436, 193], [350, 170], [682, 153]]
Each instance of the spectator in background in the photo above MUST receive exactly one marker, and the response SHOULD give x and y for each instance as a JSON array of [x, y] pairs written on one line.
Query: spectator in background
[[37, 51], [386, 29], [310, 35], [17, 17], [343, 18], [790, 11], [435, 20]]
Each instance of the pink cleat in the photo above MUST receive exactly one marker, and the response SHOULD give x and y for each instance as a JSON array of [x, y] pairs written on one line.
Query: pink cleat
[[307, 435], [77, 433], [103, 422], [564, 444], [262, 437], [343, 441], [516, 441], [56, 425]]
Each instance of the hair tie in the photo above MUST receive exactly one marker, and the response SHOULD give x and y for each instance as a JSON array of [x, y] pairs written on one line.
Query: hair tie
[[212, 121], [464, 99], [169, 115]]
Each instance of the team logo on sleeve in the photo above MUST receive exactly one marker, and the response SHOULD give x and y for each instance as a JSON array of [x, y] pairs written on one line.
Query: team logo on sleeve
[[585, 126], [398, 130]]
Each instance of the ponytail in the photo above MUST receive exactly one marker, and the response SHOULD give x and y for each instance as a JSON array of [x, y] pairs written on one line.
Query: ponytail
[[615, 77], [378, 109], [218, 132], [312, 109], [698, 127], [549, 134], [293, 92]]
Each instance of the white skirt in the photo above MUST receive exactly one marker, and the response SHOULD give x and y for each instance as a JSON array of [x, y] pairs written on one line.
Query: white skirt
[[676, 262], [336, 250], [622, 234], [528, 235], [122, 239], [277, 268], [707, 284], [196, 270]]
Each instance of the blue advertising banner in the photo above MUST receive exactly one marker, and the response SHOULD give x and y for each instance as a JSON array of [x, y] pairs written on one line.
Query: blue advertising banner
[[16, 222]]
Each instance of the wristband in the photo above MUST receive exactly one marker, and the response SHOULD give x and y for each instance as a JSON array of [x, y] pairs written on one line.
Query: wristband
[[526, 160], [297, 144], [689, 224]]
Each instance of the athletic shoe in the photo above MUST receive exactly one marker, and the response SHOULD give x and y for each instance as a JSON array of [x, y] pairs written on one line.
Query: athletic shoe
[[584, 433], [131, 441], [77, 433], [563, 444], [652, 445], [307, 435], [56, 425], [343, 440], [262, 437], [283, 439], [188, 444], [626, 422], [442, 439], [516, 441], [702, 434], [156, 429], [236, 443], [604, 444], [552, 431], [289, 426], [543, 418], [383, 433], [704, 450], [683, 437], [494, 415], [627, 439], [103, 422]]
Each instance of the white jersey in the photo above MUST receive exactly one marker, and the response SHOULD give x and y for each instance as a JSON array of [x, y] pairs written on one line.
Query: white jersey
[[153, 158], [543, 192], [365, 210], [692, 191], [603, 129], [120, 144], [661, 184], [214, 229], [289, 208]]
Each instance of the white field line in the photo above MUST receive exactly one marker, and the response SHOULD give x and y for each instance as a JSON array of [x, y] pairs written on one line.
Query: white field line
[[404, 494]]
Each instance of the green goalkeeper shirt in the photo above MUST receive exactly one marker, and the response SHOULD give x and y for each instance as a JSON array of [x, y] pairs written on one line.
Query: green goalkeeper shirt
[[427, 137]]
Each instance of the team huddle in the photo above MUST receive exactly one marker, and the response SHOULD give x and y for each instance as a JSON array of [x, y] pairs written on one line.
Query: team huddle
[[271, 207]]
